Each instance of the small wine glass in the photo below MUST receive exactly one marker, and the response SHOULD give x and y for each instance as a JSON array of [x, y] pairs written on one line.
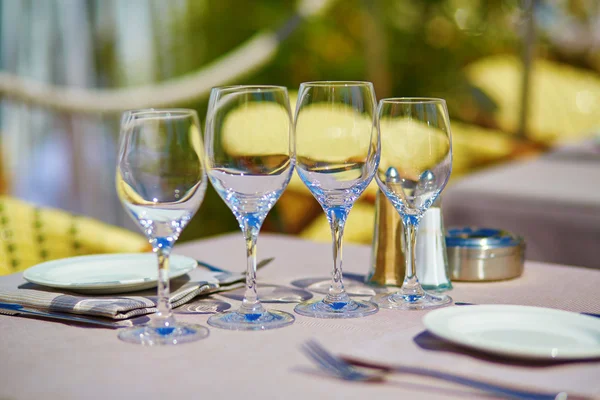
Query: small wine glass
[[250, 160], [161, 181], [337, 152], [416, 162]]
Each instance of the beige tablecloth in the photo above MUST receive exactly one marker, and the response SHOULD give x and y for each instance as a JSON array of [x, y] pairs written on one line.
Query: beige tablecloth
[[49, 360], [553, 201]]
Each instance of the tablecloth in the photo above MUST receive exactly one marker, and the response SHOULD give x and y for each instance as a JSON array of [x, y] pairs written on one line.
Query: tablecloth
[[50, 360], [552, 201]]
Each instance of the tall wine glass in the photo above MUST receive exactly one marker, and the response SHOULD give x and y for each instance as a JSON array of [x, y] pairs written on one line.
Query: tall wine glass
[[250, 160], [416, 161], [337, 152], [161, 182]]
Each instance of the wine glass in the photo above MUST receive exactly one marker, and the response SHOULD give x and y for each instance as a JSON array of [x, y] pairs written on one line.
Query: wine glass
[[250, 160], [416, 161], [161, 181], [337, 152]]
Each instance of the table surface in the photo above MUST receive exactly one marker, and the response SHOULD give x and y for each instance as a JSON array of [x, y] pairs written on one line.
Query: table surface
[[553, 201], [50, 360]]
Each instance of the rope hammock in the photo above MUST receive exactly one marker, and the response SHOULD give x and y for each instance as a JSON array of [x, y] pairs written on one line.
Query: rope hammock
[[248, 57]]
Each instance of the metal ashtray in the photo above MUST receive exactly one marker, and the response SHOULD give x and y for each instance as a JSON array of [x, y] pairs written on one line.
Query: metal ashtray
[[484, 254]]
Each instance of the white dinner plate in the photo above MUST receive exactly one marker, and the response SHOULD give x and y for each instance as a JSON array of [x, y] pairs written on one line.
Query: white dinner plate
[[106, 273], [518, 331]]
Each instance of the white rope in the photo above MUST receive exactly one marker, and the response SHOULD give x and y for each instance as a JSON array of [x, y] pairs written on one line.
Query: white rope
[[250, 56]]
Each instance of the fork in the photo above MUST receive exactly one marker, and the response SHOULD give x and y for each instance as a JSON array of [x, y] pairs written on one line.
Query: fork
[[343, 369]]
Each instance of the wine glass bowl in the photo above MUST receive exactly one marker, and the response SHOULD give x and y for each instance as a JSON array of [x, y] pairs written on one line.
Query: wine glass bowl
[[415, 165], [337, 152], [250, 160], [161, 182]]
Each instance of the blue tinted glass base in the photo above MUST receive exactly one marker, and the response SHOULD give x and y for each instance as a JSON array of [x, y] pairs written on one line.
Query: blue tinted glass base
[[234, 320], [348, 309], [176, 334]]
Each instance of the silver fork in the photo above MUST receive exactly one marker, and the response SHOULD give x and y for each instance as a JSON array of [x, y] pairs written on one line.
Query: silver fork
[[343, 369]]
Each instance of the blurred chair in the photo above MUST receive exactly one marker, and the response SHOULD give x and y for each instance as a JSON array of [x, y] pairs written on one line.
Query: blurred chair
[[30, 235]]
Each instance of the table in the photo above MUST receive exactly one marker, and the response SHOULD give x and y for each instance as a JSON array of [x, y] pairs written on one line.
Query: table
[[553, 201], [52, 360]]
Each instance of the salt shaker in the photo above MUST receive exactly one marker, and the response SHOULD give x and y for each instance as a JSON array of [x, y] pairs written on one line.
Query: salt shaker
[[431, 255]]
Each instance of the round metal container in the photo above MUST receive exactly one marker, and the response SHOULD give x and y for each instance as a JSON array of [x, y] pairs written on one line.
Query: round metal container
[[484, 254]]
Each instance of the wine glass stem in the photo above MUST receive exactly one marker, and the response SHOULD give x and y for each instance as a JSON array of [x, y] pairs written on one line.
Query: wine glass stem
[[250, 304], [410, 236], [164, 314], [337, 220]]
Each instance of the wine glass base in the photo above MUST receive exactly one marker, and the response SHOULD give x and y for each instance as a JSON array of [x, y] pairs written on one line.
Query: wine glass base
[[152, 336], [237, 321], [410, 301], [349, 309]]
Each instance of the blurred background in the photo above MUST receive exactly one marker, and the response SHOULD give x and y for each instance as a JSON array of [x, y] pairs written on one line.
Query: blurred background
[[520, 78]]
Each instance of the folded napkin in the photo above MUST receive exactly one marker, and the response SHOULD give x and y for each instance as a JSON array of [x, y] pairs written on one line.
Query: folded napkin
[[15, 289]]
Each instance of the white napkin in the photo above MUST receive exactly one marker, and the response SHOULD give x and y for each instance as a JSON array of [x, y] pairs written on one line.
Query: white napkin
[[114, 306]]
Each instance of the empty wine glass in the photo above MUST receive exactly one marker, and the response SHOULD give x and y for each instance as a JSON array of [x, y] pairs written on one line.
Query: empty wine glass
[[161, 182], [416, 161], [337, 152], [250, 160]]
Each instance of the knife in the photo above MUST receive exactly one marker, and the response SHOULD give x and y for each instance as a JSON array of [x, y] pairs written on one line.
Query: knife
[[259, 265], [228, 278]]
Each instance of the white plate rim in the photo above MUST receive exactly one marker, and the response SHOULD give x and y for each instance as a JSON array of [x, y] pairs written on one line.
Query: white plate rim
[[435, 320], [179, 266]]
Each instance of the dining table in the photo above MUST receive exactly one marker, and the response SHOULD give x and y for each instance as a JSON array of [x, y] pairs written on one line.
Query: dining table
[[42, 359], [552, 201]]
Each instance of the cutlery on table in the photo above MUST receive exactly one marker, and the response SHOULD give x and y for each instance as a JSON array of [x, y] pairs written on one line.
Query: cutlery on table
[[347, 369], [259, 265], [228, 279]]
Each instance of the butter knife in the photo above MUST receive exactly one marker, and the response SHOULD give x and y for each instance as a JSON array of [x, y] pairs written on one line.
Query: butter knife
[[259, 265]]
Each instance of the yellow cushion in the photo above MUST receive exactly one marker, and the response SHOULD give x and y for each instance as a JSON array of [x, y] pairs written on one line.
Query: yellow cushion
[[30, 235]]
